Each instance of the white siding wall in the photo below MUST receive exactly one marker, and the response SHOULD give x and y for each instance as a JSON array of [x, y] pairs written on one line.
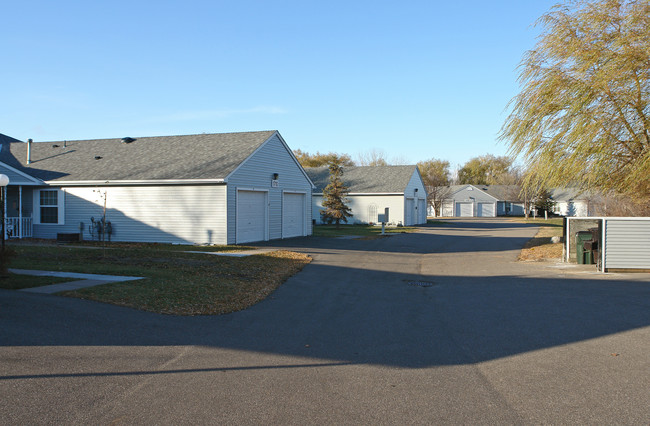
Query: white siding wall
[[361, 206], [577, 208], [256, 174], [447, 208], [626, 244], [416, 183], [170, 214]]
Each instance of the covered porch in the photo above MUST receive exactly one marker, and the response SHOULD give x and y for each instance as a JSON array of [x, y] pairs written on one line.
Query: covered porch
[[18, 207]]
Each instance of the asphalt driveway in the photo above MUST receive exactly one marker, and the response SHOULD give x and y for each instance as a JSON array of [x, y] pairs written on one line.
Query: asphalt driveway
[[441, 326]]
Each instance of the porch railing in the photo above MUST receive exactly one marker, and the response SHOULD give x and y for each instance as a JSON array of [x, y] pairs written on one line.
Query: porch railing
[[16, 224]]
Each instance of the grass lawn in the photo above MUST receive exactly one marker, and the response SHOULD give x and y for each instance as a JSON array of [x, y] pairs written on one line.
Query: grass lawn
[[150, 246], [540, 247], [176, 282], [17, 282], [367, 231]]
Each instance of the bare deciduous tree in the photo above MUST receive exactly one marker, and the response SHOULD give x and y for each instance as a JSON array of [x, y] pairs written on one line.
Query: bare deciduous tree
[[372, 157], [437, 178], [316, 160]]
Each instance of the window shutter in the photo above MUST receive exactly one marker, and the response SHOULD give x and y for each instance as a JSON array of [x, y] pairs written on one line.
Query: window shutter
[[61, 206], [36, 206]]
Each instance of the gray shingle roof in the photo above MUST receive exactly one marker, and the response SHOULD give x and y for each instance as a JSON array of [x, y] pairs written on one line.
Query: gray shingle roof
[[204, 156], [567, 194], [500, 192], [366, 179]]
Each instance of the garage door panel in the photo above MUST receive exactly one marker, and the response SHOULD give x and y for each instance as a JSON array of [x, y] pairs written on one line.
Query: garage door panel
[[485, 210], [251, 216], [293, 215], [464, 209]]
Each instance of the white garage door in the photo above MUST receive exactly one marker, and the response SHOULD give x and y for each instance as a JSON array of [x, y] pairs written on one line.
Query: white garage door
[[485, 210], [251, 216], [409, 211], [464, 209], [293, 215], [447, 209]]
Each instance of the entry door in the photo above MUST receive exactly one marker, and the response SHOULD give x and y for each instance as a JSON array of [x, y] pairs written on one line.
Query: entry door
[[422, 211], [293, 215], [410, 204], [251, 216]]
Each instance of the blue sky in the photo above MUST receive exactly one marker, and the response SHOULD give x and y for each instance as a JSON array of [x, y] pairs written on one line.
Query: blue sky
[[415, 79]]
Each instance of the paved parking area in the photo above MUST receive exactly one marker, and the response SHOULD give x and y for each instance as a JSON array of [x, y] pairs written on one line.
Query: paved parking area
[[440, 326]]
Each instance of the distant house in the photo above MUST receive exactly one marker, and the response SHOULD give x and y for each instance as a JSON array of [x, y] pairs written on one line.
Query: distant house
[[373, 189], [202, 189], [482, 201], [572, 202]]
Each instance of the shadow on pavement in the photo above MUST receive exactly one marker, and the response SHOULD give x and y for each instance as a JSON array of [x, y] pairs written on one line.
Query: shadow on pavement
[[388, 318]]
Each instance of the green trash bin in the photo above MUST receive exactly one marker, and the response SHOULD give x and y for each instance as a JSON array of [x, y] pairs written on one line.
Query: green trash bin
[[583, 255]]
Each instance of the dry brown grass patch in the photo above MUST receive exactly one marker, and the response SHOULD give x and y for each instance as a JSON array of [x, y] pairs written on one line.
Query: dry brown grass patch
[[540, 247]]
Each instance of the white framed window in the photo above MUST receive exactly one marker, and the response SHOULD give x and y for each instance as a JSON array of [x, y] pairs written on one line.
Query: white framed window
[[49, 207]]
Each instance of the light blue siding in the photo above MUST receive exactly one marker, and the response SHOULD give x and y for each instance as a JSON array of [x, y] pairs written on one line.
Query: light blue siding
[[256, 173], [16, 178], [192, 214], [467, 200], [469, 193]]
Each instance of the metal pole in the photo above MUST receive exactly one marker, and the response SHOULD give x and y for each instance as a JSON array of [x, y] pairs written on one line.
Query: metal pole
[[566, 238], [603, 248]]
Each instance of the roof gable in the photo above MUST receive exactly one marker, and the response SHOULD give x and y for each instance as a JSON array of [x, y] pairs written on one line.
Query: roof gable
[[366, 179], [204, 156], [569, 194], [497, 192]]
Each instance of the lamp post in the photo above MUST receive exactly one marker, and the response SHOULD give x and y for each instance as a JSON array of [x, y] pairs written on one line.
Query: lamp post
[[4, 181]]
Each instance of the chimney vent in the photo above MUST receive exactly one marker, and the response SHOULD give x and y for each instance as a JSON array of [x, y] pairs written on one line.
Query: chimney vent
[[127, 140], [29, 151]]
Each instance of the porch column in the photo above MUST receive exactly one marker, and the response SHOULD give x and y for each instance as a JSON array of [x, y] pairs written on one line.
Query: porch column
[[4, 200], [20, 212]]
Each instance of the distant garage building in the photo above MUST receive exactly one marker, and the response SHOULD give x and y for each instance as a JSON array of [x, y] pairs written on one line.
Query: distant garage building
[[482, 201], [375, 188]]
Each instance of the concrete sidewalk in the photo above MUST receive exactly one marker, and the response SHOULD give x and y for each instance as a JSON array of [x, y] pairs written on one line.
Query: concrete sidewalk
[[235, 254], [81, 280]]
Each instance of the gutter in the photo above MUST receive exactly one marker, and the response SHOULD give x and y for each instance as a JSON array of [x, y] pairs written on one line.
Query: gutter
[[135, 182]]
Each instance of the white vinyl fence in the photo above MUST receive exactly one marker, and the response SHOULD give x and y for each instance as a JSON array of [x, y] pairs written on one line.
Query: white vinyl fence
[[624, 241]]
